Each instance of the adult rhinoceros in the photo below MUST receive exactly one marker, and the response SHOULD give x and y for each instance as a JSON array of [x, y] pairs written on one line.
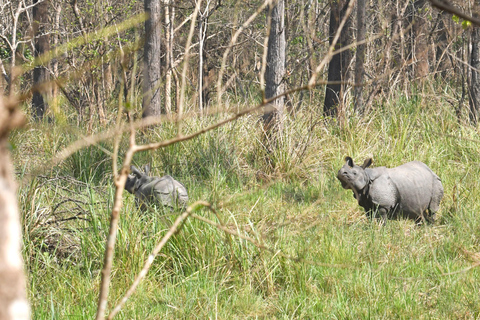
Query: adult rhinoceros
[[411, 190]]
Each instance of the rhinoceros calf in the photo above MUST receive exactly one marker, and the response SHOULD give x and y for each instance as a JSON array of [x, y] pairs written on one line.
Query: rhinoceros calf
[[411, 190], [155, 190]]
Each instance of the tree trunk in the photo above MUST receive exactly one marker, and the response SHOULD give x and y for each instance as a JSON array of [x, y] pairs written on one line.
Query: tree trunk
[[40, 72], [13, 301], [151, 64], [56, 40], [338, 66], [474, 74], [360, 56], [275, 70], [201, 41], [169, 19], [419, 40], [441, 58]]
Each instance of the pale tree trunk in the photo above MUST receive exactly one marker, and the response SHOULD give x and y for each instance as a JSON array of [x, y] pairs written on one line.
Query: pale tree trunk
[[201, 39], [40, 73], [4, 79], [169, 19], [13, 301], [107, 76], [473, 73], [400, 56], [56, 40], [151, 64], [338, 66], [275, 70], [177, 90], [99, 101], [360, 56]]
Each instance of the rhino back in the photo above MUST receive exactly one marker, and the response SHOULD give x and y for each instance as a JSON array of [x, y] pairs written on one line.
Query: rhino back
[[170, 192], [415, 184]]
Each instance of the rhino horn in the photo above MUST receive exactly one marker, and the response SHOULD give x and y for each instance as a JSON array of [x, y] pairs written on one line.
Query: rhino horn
[[136, 172], [146, 169]]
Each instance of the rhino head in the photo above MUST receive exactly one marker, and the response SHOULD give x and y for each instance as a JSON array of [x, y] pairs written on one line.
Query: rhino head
[[353, 176], [136, 178]]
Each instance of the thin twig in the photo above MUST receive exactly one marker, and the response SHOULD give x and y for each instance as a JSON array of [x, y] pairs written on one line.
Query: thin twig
[[476, 264], [176, 226], [232, 42], [109, 251], [264, 247], [173, 229], [185, 67]]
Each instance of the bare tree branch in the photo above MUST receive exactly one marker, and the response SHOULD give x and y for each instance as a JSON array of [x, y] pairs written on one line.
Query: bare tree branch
[[110, 247], [446, 6], [173, 229], [176, 226], [232, 42]]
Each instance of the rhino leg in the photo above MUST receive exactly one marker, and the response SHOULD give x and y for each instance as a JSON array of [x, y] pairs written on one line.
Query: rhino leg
[[430, 216], [383, 215], [378, 213]]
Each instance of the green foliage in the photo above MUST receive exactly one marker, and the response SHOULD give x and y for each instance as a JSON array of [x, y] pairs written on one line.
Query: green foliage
[[466, 24], [91, 164], [287, 199]]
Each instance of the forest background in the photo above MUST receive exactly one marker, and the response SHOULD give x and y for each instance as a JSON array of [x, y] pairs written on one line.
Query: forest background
[[253, 106]]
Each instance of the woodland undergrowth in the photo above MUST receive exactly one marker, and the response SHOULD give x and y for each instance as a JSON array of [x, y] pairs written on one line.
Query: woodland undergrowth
[[288, 200]]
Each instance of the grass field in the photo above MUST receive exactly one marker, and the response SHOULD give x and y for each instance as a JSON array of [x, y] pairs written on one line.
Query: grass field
[[349, 267]]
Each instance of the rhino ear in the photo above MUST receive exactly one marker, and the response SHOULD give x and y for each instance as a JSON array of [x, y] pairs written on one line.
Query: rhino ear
[[146, 169], [136, 172], [367, 163], [349, 161]]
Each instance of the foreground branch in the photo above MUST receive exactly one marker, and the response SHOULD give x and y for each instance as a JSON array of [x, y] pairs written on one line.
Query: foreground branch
[[178, 224], [13, 300], [264, 247], [173, 229], [109, 251]]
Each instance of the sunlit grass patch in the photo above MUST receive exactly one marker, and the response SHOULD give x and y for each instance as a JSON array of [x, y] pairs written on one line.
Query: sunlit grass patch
[[344, 266]]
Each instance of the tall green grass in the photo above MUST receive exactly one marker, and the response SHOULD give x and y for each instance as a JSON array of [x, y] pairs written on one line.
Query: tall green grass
[[350, 267]]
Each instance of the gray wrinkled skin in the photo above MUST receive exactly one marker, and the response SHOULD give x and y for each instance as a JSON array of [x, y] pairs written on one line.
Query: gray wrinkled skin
[[155, 190], [411, 190]]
